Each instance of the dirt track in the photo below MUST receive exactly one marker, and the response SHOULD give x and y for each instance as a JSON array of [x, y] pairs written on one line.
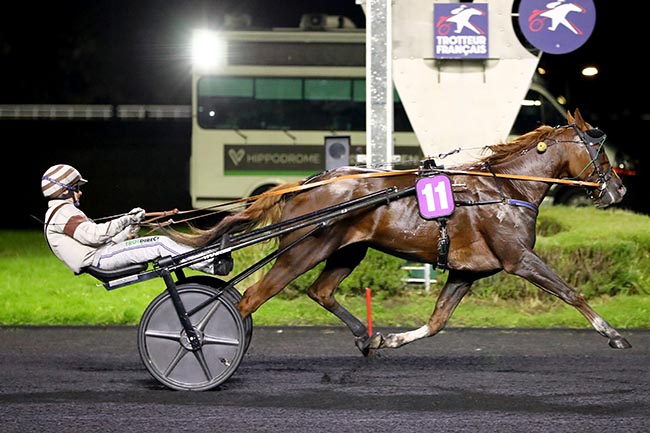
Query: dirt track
[[314, 379]]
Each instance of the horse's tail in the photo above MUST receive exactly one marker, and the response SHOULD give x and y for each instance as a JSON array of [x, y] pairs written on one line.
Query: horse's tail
[[263, 211]]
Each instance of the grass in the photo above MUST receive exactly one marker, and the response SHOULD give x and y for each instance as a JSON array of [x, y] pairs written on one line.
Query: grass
[[415, 308], [36, 289]]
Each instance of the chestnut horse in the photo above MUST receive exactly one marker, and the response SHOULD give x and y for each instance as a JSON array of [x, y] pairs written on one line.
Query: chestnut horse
[[491, 229]]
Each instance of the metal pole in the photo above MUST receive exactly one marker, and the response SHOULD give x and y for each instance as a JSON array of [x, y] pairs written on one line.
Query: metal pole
[[379, 83]]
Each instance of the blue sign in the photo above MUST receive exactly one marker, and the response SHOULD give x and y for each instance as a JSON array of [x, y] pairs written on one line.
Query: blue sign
[[435, 197], [557, 26], [460, 31]]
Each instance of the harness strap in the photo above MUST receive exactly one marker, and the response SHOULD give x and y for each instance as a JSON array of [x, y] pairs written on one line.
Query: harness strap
[[496, 181], [48, 223], [443, 244], [525, 204], [511, 201]]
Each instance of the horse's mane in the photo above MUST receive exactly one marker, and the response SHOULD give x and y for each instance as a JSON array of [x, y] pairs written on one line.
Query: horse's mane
[[504, 151]]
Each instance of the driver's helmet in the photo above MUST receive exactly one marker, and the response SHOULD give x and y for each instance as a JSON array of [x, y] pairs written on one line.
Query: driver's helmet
[[60, 181]]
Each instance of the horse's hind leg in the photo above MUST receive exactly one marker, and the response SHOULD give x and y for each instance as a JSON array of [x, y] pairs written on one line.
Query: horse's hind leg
[[535, 270], [286, 268], [338, 266], [456, 287]]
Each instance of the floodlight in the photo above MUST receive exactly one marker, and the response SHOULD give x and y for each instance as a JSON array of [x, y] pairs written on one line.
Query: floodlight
[[208, 50]]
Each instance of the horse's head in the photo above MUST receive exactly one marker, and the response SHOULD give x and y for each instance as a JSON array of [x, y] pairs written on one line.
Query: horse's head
[[588, 161]]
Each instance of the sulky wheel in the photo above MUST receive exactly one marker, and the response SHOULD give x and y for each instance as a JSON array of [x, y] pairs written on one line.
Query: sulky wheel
[[166, 352], [231, 293]]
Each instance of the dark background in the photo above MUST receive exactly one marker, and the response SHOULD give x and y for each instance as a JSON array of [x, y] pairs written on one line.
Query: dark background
[[137, 52]]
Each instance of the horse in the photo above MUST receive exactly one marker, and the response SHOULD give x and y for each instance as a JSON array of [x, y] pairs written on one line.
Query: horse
[[491, 229]]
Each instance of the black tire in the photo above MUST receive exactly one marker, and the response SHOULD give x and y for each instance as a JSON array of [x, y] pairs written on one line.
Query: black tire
[[262, 189], [232, 294], [166, 353]]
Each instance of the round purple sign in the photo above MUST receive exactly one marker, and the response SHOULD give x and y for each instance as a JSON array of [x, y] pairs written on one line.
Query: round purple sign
[[557, 26]]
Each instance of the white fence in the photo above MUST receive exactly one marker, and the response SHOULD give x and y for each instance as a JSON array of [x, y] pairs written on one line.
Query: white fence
[[94, 112], [420, 273]]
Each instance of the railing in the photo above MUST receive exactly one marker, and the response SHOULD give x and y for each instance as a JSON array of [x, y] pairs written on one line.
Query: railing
[[420, 273], [94, 112]]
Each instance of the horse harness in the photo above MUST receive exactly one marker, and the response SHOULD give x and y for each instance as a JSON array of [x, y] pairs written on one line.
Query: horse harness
[[594, 139], [429, 167], [590, 138]]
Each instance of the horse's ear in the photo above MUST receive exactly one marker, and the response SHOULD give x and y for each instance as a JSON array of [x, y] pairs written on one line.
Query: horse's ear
[[569, 118], [579, 121]]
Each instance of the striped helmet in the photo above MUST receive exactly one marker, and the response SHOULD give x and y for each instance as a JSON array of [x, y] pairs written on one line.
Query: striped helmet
[[60, 179]]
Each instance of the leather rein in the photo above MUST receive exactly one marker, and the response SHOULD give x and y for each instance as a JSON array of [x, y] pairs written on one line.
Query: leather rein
[[155, 216]]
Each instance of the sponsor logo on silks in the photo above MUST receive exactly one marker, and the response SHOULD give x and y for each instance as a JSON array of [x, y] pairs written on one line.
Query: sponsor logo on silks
[[139, 241], [460, 31], [557, 26]]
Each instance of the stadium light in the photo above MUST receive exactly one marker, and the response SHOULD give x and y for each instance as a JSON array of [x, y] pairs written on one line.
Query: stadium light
[[208, 50], [589, 71]]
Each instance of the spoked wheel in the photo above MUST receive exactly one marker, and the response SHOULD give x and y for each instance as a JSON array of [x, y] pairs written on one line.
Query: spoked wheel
[[166, 351], [232, 294]]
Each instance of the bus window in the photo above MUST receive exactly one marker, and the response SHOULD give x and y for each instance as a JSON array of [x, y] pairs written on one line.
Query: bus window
[[330, 104], [288, 89]]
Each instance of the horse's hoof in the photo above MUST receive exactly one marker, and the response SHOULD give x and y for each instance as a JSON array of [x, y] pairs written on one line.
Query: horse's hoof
[[367, 344], [619, 343], [363, 344]]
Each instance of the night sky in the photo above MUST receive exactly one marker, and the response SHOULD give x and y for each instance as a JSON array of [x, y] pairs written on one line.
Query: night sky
[[121, 51]]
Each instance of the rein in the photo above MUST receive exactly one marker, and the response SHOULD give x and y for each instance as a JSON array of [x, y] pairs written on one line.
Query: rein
[[158, 215], [524, 177]]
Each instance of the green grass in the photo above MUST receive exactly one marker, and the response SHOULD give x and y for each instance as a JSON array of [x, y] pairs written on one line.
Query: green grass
[[609, 250], [414, 309]]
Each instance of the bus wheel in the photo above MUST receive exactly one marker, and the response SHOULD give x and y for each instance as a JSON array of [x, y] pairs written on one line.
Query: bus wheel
[[262, 189]]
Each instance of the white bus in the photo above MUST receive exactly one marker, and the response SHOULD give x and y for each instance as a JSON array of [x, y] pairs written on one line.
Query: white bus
[[280, 105]]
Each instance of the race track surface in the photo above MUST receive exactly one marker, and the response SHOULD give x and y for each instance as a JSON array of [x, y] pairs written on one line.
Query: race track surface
[[313, 379]]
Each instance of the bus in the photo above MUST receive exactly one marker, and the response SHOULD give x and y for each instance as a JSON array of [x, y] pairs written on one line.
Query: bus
[[273, 106], [268, 114]]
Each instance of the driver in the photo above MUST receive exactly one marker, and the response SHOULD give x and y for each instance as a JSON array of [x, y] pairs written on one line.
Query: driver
[[79, 242]]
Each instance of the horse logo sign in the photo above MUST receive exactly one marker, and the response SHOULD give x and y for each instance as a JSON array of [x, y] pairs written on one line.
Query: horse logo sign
[[557, 26], [460, 31]]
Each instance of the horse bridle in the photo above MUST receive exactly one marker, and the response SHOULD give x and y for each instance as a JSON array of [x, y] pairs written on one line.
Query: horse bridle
[[594, 140]]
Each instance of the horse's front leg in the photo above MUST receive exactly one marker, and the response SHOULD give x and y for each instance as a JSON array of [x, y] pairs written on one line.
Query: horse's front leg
[[534, 269], [452, 293]]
